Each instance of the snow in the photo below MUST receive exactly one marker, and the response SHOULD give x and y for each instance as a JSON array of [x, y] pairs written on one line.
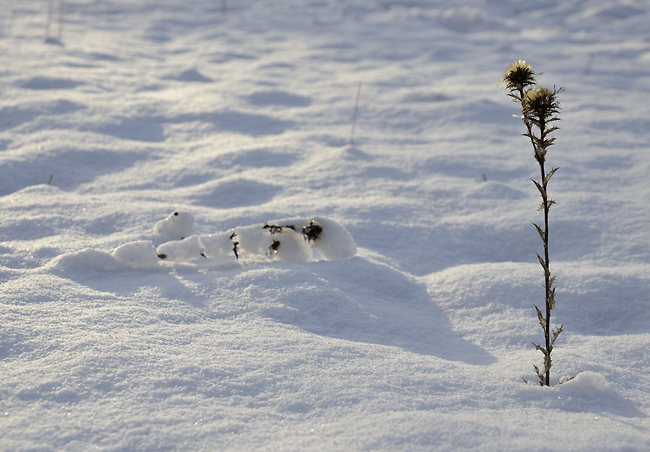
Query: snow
[[407, 324], [289, 240], [138, 254], [177, 226]]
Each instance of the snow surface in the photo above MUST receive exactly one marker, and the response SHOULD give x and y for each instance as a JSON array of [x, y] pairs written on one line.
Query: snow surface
[[421, 340]]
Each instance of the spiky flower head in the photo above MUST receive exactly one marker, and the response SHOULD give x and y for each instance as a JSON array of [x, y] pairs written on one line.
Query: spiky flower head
[[541, 103], [518, 76], [540, 109]]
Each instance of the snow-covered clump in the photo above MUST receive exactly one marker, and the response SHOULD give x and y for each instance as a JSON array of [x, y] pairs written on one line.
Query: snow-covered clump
[[217, 245], [140, 254], [290, 240], [585, 384], [176, 226], [253, 239], [86, 259], [180, 250], [290, 245], [335, 242]]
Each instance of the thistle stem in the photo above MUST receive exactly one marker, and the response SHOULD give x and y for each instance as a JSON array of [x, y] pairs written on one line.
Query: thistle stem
[[541, 159], [547, 278], [539, 107]]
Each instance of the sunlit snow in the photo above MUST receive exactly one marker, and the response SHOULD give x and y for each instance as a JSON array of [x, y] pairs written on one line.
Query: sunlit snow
[[201, 250]]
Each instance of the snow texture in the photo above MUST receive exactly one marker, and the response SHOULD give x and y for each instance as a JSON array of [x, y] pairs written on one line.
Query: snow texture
[[406, 325]]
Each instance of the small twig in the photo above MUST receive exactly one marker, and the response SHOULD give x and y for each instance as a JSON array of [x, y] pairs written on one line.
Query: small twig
[[49, 20], [590, 63], [50, 181], [203, 51], [354, 117], [60, 34], [224, 8]]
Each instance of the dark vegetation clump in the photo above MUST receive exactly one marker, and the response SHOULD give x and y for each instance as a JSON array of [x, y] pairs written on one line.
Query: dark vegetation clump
[[312, 231]]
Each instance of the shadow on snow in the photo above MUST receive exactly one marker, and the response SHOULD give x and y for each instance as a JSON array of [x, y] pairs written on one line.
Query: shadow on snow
[[354, 300]]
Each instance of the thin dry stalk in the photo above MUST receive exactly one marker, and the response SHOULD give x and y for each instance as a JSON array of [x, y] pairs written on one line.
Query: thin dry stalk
[[539, 112], [354, 116]]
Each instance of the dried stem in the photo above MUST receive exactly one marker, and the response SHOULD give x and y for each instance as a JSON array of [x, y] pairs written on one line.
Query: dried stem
[[540, 110], [354, 117]]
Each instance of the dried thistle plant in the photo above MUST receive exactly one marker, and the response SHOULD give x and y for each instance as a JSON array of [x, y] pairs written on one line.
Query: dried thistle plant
[[539, 111]]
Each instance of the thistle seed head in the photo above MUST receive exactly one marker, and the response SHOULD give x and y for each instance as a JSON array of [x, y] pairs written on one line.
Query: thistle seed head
[[540, 98], [518, 76], [541, 103]]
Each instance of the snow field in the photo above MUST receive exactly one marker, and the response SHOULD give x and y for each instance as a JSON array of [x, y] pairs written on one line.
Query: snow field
[[407, 324]]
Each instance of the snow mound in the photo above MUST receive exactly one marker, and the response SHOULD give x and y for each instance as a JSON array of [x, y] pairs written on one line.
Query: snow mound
[[176, 226], [586, 384], [87, 259], [335, 243], [591, 392], [252, 239], [181, 251], [217, 245], [139, 254]]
